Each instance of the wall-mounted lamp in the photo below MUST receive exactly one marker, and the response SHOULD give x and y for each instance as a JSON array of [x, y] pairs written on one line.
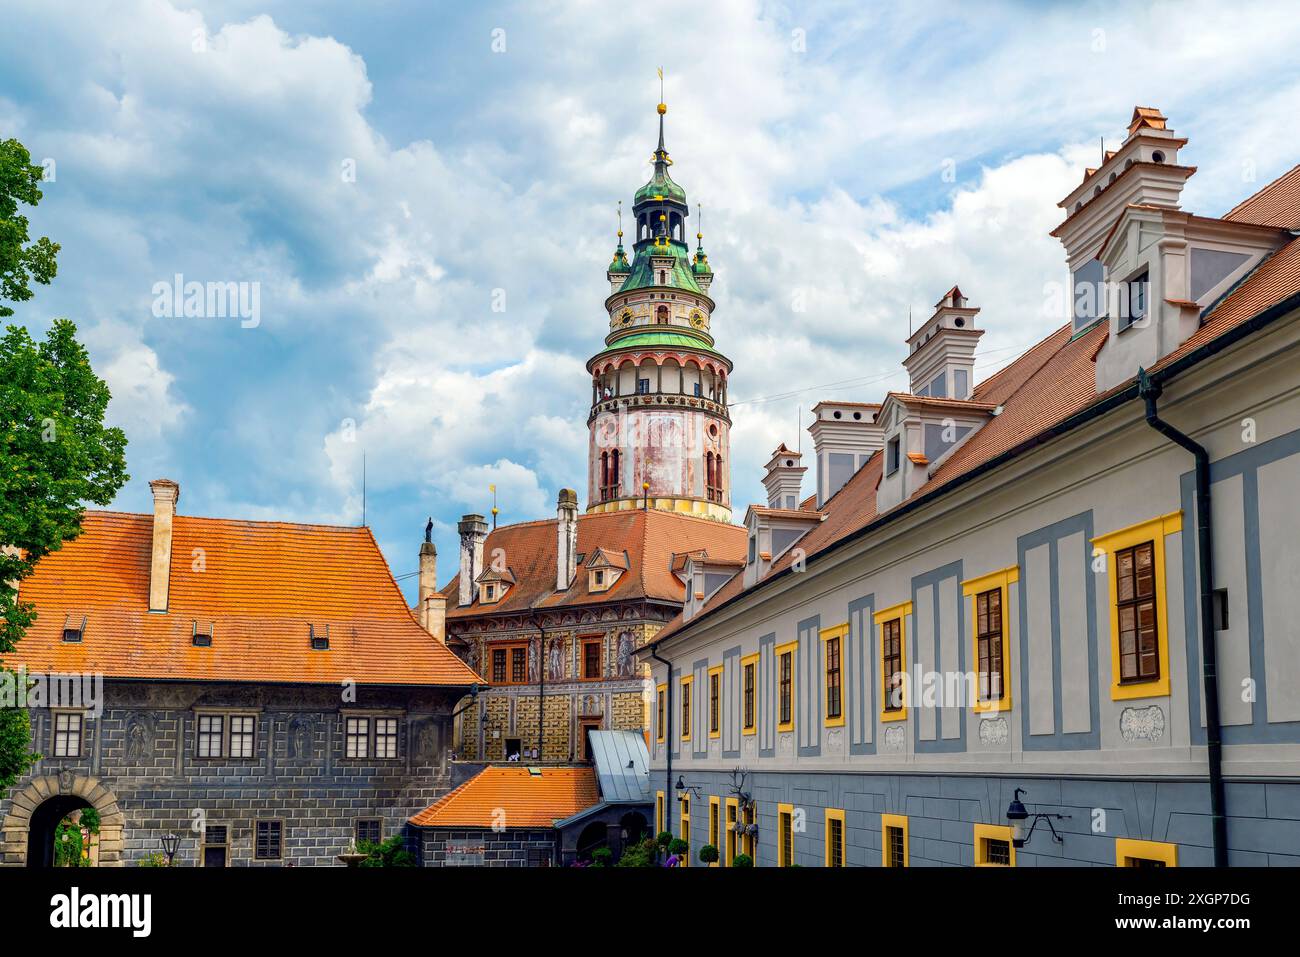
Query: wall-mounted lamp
[[170, 844], [1022, 829], [682, 786]]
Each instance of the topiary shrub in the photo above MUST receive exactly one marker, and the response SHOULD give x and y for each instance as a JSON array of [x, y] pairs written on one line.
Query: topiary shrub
[[709, 854], [743, 860], [639, 855], [602, 857], [664, 838], [679, 847]]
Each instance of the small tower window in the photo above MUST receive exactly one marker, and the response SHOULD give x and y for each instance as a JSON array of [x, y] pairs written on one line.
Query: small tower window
[[661, 314], [663, 277], [1157, 157]]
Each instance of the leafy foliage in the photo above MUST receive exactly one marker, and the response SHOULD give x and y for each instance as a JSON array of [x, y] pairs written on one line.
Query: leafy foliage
[[389, 853], [742, 860], [22, 261], [709, 854], [643, 854], [68, 845], [156, 859], [602, 857]]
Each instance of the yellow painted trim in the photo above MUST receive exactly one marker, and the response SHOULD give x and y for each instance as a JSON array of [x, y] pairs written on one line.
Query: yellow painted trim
[[715, 671], [730, 840], [894, 820], [780, 841], [1153, 531], [744, 663], [684, 686], [842, 633], [661, 715], [899, 613], [997, 832], [1127, 848], [837, 815], [792, 649], [659, 812], [715, 827], [972, 588], [684, 816]]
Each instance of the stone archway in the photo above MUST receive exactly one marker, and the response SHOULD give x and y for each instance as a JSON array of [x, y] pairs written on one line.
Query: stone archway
[[65, 788]]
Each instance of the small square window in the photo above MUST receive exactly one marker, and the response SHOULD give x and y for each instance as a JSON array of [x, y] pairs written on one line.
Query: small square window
[[385, 737], [268, 845], [67, 735], [369, 831], [357, 738]]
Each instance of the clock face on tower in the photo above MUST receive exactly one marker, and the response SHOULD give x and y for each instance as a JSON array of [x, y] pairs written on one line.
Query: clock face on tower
[[659, 426]]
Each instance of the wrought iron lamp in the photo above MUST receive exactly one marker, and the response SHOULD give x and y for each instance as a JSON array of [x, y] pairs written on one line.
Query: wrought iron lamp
[[170, 844], [1022, 828]]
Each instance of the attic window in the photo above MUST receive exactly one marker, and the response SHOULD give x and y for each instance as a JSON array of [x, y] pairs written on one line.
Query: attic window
[[959, 322], [319, 642], [1157, 157], [201, 639], [72, 631], [891, 465], [599, 577]]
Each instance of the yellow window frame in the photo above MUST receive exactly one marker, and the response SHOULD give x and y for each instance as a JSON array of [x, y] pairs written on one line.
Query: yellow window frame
[[685, 813], [687, 704], [832, 815], [715, 822], [749, 661], [1128, 849], [899, 821], [790, 648], [901, 612], [659, 813], [993, 832], [1153, 530], [661, 712], [840, 632], [972, 588], [731, 819], [715, 719], [784, 814]]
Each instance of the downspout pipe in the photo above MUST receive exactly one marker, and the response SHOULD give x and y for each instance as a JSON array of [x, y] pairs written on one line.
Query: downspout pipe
[[1149, 391], [668, 738]]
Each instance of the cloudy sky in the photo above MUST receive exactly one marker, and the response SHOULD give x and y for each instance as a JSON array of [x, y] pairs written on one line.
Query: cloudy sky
[[385, 171]]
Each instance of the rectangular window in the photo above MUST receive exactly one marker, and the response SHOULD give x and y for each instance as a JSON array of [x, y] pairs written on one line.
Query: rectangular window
[[891, 656], [749, 673], [369, 831], [1133, 308], [833, 681], [385, 737], [211, 735], [1131, 853], [715, 823], [993, 846], [519, 665], [785, 687], [591, 655], [1135, 569], [357, 738], [784, 835], [642, 386], [834, 838], [686, 708], [659, 813], [685, 806], [268, 844], [715, 702], [1135, 575], [988, 641], [241, 735], [67, 734], [498, 666], [661, 694], [893, 841], [733, 818], [894, 456]]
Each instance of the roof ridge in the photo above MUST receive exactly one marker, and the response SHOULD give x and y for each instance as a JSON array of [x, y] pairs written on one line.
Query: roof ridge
[[268, 522], [1261, 191]]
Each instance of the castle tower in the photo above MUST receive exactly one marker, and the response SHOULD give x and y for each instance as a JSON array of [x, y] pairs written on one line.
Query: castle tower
[[659, 424]]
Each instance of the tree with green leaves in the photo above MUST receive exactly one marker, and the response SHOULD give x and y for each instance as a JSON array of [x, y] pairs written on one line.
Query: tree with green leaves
[[22, 261], [56, 455]]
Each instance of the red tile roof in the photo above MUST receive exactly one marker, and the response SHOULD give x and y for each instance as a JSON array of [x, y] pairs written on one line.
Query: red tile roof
[[1277, 204], [513, 796], [259, 586], [650, 538], [1045, 386]]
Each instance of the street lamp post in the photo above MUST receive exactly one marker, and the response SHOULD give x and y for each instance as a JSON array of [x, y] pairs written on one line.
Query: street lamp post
[[170, 843]]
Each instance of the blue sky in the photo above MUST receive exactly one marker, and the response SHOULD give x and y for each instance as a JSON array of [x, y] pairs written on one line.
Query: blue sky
[[491, 143]]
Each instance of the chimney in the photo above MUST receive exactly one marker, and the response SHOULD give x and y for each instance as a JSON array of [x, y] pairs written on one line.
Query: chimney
[[166, 494], [784, 478], [940, 359], [433, 607], [473, 533], [566, 554], [844, 435]]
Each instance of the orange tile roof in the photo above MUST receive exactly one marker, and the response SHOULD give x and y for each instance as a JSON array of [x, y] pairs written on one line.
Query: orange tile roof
[[650, 538], [261, 585], [1277, 204], [1045, 386], [513, 796]]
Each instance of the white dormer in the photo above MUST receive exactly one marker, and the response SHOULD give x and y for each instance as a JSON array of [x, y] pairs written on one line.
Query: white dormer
[[920, 433], [494, 584], [844, 435], [772, 533], [783, 478], [604, 569], [703, 577], [941, 354]]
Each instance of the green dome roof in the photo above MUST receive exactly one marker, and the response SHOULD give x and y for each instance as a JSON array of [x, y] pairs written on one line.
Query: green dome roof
[[701, 265], [661, 186], [620, 263]]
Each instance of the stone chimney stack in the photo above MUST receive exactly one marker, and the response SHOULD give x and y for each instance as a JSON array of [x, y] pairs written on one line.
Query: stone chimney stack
[[566, 555], [166, 494], [784, 478], [844, 435], [473, 533], [433, 607]]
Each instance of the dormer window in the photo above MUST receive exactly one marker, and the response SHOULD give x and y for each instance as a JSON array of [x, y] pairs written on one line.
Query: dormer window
[[598, 578], [201, 638], [1133, 308], [73, 631], [319, 641], [893, 455]]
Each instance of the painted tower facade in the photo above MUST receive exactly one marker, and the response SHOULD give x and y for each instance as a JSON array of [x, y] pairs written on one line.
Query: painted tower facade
[[659, 425]]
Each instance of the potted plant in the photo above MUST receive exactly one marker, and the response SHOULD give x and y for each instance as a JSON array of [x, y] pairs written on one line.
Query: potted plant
[[743, 860], [709, 854]]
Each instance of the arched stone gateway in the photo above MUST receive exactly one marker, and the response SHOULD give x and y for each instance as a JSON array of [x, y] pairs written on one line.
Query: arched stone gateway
[[35, 810]]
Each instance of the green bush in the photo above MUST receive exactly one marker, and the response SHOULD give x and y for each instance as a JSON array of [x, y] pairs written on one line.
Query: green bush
[[664, 839], [602, 857], [639, 855], [709, 854], [389, 853], [156, 859], [743, 860], [679, 847]]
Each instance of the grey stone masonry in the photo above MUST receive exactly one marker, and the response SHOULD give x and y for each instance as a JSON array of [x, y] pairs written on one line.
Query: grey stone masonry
[[141, 756]]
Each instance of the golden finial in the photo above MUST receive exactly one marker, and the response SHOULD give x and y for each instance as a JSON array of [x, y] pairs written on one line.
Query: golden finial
[[662, 107]]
